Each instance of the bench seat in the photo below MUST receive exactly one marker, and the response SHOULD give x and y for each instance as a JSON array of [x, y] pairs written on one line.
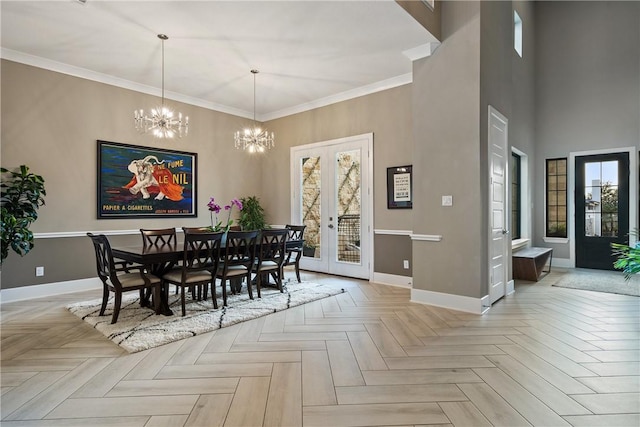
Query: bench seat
[[528, 263]]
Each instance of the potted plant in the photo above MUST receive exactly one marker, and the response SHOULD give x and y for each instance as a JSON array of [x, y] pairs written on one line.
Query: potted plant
[[21, 196], [252, 216], [628, 258], [308, 249]]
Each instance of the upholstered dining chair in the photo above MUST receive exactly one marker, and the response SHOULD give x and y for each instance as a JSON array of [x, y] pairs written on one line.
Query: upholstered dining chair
[[294, 253], [120, 279], [158, 237], [271, 256], [199, 265], [237, 260]]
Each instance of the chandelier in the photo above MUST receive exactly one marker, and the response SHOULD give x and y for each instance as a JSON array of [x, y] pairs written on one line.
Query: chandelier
[[161, 122], [254, 140]]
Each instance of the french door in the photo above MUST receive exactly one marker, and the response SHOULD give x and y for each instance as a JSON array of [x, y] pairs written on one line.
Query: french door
[[602, 208], [331, 184]]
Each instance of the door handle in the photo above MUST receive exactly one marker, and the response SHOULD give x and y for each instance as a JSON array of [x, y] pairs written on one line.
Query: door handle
[[330, 225], [505, 231]]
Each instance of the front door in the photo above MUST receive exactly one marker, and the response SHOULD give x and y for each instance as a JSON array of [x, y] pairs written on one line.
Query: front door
[[332, 196], [602, 208], [499, 239]]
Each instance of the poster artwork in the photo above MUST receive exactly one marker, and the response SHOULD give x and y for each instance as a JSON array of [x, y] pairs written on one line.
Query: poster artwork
[[402, 187], [142, 182]]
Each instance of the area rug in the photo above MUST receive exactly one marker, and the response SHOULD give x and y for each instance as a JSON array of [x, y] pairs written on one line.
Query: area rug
[[599, 281], [139, 328]]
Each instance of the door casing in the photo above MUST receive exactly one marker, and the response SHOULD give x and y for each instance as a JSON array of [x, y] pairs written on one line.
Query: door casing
[[367, 193], [571, 200]]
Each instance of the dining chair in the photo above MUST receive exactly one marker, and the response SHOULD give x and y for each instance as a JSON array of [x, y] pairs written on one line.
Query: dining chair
[[199, 265], [158, 236], [120, 279], [294, 251], [237, 260], [271, 256]]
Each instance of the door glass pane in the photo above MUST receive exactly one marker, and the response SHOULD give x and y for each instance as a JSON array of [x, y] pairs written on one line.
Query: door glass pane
[[601, 199], [311, 205], [348, 205]]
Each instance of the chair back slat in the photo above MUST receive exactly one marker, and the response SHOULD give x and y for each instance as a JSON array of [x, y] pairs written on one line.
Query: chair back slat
[[296, 232], [240, 248], [105, 265], [201, 250], [158, 237], [272, 245]]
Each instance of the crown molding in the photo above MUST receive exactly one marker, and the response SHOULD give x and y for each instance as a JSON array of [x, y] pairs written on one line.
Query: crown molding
[[421, 51], [339, 97], [84, 73]]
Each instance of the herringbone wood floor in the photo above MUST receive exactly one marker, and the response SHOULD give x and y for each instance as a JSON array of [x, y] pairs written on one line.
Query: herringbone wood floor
[[544, 356]]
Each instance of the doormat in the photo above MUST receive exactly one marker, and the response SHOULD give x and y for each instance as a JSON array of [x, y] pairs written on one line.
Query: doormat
[[612, 282]]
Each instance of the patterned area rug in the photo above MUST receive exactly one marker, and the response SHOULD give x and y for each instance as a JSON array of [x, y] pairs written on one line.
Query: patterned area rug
[[139, 328]]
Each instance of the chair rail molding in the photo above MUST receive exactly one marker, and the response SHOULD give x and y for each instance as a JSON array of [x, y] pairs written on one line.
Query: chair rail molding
[[427, 237], [393, 232]]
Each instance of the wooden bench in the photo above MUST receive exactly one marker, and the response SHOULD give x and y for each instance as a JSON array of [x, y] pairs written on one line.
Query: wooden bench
[[528, 263]]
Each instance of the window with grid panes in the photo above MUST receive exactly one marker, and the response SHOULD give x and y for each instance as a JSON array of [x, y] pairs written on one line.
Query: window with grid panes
[[516, 217], [556, 189]]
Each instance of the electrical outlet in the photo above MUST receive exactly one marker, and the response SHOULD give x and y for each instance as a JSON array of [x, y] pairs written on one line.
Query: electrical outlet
[[39, 271], [405, 264], [447, 200]]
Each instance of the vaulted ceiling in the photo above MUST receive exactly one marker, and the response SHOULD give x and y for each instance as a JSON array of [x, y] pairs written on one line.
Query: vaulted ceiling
[[309, 53]]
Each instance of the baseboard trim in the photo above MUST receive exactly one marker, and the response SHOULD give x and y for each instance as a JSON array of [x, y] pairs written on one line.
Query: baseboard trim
[[49, 289], [511, 287], [562, 262], [393, 280], [450, 301]]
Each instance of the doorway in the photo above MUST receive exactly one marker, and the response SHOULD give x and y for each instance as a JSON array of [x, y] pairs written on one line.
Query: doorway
[[332, 195], [602, 208], [499, 235]]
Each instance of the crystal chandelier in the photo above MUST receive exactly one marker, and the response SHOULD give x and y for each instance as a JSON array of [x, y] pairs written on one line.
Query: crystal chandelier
[[161, 122], [254, 140]]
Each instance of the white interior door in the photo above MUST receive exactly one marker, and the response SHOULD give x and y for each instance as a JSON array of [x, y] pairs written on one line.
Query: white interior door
[[331, 183], [499, 237]]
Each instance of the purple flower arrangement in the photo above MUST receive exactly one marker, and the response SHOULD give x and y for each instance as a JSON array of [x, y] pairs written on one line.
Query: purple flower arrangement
[[215, 208]]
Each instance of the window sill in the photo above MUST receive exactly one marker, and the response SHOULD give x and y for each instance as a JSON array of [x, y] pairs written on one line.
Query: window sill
[[556, 239], [518, 244]]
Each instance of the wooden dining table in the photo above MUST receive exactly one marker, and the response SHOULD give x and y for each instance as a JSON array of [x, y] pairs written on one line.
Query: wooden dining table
[[159, 259]]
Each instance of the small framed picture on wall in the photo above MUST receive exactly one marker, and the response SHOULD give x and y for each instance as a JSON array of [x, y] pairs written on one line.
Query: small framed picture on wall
[[399, 187]]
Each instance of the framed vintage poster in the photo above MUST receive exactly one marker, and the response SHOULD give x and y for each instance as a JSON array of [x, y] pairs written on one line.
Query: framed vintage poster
[[143, 182], [399, 187]]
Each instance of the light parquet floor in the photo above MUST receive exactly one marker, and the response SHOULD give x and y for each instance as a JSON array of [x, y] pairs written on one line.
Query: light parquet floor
[[544, 356]]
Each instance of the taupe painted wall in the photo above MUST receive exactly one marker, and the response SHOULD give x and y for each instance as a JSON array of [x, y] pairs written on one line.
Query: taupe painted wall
[[522, 120], [446, 103], [388, 115], [427, 17], [587, 85], [51, 121]]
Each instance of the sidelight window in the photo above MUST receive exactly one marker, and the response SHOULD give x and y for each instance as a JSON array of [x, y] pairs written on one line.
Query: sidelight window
[[556, 222]]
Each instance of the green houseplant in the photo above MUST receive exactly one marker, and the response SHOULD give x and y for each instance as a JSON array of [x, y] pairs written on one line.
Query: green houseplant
[[252, 216], [22, 194], [628, 257]]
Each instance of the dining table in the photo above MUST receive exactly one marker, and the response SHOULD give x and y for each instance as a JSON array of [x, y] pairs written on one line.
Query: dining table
[[159, 259]]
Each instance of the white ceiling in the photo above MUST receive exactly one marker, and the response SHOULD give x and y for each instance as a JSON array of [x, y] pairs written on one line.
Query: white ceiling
[[309, 53]]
